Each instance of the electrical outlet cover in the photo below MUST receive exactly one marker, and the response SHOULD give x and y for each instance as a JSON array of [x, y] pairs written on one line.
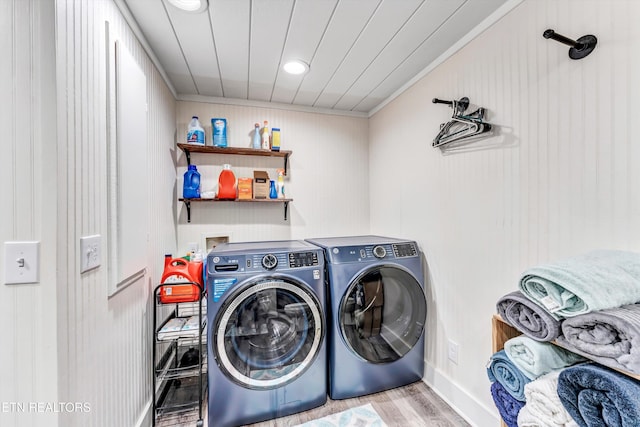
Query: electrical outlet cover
[[90, 252], [453, 352]]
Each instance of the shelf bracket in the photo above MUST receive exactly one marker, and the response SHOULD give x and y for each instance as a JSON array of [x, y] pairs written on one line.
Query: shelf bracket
[[286, 166], [188, 205], [286, 208], [188, 154]]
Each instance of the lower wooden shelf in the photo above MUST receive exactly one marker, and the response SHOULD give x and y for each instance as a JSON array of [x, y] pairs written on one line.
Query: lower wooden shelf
[[501, 333], [187, 203]]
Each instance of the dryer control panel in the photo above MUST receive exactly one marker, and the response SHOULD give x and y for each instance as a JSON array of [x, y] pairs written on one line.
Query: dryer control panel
[[373, 252]]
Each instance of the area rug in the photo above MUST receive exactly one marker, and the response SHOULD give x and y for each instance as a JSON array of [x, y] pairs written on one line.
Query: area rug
[[361, 416]]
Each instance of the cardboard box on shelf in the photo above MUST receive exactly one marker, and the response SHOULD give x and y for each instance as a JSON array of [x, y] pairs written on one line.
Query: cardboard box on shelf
[[245, 191], [260, 185]]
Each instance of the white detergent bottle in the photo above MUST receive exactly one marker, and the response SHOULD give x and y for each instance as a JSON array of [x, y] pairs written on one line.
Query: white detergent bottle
[[195, 133]]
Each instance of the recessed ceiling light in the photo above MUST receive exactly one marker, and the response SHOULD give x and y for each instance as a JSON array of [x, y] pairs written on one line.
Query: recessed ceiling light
[[295, 67], [195, 6]]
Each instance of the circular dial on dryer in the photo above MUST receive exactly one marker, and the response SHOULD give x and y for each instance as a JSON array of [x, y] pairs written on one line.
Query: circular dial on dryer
[[269, 261], [379, 252]]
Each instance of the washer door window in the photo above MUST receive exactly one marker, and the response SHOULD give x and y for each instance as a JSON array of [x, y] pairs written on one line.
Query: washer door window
[[382, 314], [268, 333]]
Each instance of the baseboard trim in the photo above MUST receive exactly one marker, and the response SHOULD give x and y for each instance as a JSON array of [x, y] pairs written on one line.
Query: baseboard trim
[[468, 407]]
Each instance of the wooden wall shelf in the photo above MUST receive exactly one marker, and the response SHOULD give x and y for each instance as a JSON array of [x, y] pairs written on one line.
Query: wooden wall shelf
[[187, 203], [207, 149]]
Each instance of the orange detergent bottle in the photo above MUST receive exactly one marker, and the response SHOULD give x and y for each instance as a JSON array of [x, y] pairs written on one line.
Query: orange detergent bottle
[[227, 184], [176, 272]]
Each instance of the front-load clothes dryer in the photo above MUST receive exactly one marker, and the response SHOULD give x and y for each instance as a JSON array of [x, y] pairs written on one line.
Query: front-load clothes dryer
[[377, 313], [266, 331]]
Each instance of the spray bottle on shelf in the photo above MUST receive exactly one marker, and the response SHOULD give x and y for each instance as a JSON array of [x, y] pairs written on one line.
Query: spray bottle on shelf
[[280, 184], [257, 142], [266, 137], [195, 133]]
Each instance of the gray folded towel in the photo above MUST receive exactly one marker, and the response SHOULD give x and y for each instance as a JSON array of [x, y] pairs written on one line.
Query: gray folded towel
[[528, 317], [610, 337]]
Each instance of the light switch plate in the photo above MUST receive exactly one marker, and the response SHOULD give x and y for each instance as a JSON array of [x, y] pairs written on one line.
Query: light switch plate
[[90, 252], [21, 262]]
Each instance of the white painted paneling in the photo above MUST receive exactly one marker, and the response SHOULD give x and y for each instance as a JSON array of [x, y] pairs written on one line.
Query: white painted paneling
[[347, 22], [387, 20], [308, 25], [556, 179], [328, 176], [28, 357], [193, 31], [269, 27], [231, 32], [104, 343], [164, 42], [452, 30], [418, 28]]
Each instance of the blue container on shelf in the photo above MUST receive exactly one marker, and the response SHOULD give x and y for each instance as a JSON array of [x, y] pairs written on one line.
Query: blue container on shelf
[[191, 185], [219, 130]]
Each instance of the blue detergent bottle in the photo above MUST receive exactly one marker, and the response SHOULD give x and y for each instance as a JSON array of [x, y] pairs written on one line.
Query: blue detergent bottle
[[191, 186]]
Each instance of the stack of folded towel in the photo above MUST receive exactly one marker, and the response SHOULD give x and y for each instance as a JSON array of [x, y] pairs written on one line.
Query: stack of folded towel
[[588, 304], [512, 370]]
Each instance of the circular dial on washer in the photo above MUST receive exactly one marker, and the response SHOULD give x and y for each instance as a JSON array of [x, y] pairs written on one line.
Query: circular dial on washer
[[269, 261], [379, 252]]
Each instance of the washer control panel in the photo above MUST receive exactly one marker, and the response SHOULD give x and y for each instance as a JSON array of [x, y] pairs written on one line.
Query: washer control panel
[[274, 261]]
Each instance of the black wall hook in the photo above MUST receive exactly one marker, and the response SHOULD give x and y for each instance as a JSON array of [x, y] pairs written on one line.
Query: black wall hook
[[579, 49], [461, 105]]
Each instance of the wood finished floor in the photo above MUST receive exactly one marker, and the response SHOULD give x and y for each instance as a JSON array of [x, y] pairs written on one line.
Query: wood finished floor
[[415, 405]]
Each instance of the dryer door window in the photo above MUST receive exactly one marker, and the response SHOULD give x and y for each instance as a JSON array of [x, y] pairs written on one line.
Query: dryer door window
[[268, 333], [382, 314]]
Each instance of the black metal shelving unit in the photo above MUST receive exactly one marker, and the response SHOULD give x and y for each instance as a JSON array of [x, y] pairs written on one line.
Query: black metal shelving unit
[[179, 365]]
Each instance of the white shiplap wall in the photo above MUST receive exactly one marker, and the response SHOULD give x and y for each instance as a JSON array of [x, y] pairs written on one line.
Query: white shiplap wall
[[105, 342], [328, 176], [558, 178], [28, 359], [64, 339]]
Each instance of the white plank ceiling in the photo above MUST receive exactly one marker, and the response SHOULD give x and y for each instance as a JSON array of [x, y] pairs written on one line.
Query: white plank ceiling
[[360, 51]]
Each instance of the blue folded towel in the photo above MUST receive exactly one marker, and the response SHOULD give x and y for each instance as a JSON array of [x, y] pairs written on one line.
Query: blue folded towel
[[535, 358], [507, 405], [528, 317], [502, 370], [594, 281], [598, 396]]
